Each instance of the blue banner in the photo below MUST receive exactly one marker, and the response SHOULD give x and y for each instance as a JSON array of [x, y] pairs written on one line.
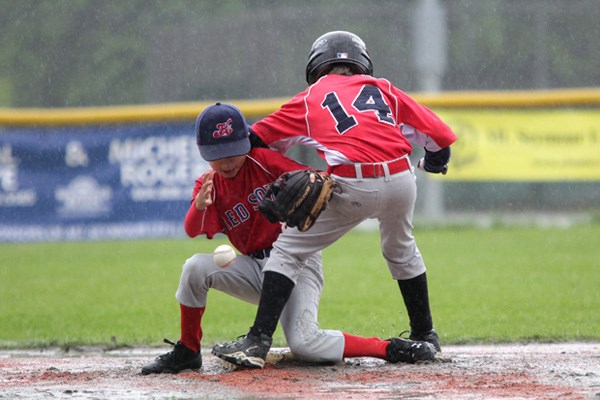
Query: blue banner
[[96, 182]]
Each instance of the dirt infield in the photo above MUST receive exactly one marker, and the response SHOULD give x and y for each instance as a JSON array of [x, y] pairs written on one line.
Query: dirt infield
[[524, 371]]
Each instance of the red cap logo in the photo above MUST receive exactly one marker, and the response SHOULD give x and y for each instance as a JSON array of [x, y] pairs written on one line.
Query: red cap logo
[[223, 129]]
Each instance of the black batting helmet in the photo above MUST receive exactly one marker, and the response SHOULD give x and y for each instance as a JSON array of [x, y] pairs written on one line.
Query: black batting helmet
[[337, 47]]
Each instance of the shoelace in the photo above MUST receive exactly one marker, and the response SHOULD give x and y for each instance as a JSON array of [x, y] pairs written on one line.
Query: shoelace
[[167, 341], [244, 336]]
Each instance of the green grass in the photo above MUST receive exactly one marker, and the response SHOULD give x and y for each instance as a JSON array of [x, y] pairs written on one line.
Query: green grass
[[498, 285]]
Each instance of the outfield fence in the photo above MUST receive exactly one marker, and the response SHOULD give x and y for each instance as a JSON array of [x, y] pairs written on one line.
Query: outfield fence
[[127, 172]]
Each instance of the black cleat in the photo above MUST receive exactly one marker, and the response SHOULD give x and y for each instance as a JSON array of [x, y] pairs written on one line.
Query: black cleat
[[247, 351], [175, 361], [409, 351], [429, 337]]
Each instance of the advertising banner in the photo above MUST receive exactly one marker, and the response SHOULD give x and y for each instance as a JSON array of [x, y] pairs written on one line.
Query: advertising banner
[[134, 180], [96, 182], [525, 145]]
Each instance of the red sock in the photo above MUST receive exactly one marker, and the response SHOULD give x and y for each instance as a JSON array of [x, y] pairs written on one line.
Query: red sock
[[357, 346], [191, 330]]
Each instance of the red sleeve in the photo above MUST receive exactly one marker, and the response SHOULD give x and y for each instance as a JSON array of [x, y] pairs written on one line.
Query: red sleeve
[[201, 222], [424, 120], [287, 125]]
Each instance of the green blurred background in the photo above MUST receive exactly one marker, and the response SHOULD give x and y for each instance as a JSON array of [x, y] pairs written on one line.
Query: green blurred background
[[492, 285]]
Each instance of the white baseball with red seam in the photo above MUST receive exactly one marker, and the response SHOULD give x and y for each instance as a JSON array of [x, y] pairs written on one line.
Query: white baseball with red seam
[[224, 255]]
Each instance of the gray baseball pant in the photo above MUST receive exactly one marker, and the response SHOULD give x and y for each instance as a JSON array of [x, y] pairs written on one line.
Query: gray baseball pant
[[390, 200], [243, 280]]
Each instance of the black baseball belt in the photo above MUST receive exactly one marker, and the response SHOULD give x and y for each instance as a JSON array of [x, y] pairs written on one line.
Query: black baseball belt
[[260, 254]]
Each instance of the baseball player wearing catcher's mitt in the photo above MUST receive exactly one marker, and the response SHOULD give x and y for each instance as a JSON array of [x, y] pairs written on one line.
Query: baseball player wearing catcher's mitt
[[226, 200], [364, 128]]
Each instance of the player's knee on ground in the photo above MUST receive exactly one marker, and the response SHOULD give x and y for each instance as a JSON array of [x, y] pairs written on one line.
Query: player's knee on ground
[[321, 346]]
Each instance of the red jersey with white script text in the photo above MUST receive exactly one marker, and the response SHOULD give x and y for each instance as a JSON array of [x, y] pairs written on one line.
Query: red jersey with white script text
[[350, 119], [234, 210]]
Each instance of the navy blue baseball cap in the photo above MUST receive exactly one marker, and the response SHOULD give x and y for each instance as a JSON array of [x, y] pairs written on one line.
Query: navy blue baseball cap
[[222, 131]]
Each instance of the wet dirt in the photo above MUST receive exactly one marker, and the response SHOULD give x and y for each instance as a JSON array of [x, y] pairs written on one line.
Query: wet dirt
[[508, 371]]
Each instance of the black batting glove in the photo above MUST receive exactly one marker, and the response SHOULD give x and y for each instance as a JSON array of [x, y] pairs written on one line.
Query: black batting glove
[[435, 162]]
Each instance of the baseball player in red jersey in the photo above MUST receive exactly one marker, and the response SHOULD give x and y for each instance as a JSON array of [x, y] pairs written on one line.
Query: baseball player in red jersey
[[364, 128], [225, 200]]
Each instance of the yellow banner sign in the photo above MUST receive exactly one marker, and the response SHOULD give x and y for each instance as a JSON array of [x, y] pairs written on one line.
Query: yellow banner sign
[[531, 145]]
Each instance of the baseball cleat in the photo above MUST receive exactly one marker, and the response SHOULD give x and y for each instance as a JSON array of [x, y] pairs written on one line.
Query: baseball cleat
[[429, 336], [175, 361], [409, 351], [247, 351]]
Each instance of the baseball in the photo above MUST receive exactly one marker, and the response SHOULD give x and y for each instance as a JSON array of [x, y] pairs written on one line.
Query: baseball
[[224, 255]]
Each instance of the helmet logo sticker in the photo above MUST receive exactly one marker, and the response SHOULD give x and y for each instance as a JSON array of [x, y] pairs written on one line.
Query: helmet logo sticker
[[341, 55], [223, 129]]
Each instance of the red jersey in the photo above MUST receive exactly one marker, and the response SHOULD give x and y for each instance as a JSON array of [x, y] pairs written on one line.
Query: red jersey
[[234, 210], [351, 119]]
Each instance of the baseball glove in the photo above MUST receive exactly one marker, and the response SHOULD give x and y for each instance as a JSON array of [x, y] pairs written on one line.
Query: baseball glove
[[297, 198]]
